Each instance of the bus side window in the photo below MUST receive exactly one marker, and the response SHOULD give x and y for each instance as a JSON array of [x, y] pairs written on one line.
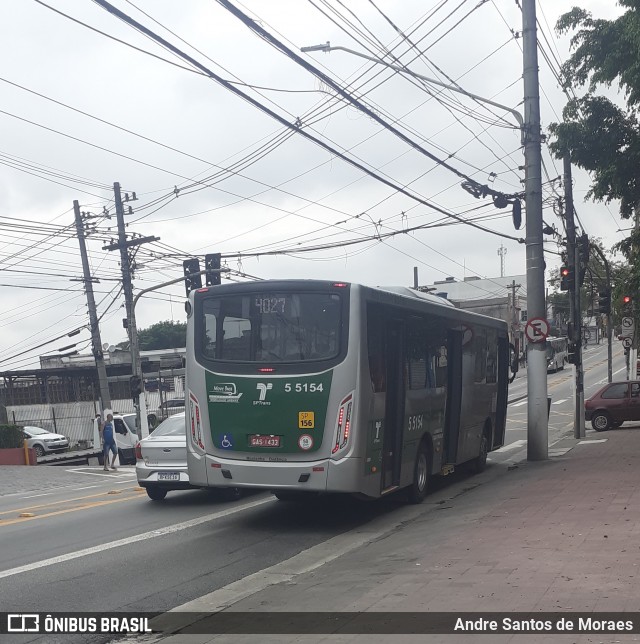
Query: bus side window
[[376, 350]]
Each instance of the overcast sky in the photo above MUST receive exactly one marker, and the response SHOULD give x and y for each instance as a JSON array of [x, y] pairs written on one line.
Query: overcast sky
[[215, 174]]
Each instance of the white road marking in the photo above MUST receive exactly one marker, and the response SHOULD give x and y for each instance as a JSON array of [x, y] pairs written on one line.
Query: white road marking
[[519, 404], [145, 536], [559, 402], [511, 446], [99, 471], [304, 562], [594, 440], [33, 496]]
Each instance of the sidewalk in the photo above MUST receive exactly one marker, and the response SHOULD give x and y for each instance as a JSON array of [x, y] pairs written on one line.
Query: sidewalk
[[561, 535]]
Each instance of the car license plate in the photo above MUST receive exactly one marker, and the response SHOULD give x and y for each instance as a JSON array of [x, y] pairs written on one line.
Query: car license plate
[[168, 476], [259, 440]]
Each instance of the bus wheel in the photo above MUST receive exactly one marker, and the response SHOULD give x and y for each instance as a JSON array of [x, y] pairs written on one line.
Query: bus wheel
[[479, 463], [421, 474]]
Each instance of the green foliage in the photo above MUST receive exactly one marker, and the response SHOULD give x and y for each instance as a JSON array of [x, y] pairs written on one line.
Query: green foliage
[[605, 141], [163, 335], [599, 136], [11, 436]]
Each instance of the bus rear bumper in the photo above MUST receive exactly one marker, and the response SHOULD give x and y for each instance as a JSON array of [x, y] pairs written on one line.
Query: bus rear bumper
[[324, 475]]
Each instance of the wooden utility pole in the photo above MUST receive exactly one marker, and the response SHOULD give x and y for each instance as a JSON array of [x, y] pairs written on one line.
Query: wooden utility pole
[[96, 342], [123, 245]]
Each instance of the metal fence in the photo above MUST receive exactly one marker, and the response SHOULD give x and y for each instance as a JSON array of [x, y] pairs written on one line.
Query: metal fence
[[68, 409]]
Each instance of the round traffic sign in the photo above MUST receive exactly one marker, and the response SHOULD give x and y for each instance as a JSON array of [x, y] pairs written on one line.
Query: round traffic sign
[[537, 330], [627, 342], [627, 323]]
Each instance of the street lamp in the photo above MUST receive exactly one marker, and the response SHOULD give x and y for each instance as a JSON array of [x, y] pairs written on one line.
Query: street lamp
[[537, 416], [326, 48]]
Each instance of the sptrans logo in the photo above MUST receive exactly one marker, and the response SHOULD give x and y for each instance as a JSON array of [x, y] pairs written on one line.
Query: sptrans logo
[[263, 387], [224, 392]]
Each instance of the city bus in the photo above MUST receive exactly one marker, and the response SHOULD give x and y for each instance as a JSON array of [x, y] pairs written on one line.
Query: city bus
[[304, 386], [557, 353]]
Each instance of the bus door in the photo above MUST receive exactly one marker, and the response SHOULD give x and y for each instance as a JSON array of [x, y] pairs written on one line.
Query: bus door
[[502, 394], [394, 404], [454, 396]]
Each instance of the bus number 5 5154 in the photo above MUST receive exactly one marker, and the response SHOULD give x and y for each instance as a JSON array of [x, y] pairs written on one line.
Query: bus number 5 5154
[[307, 387]]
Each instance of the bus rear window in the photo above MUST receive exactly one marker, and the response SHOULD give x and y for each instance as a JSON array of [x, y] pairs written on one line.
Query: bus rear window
[[271, 327]]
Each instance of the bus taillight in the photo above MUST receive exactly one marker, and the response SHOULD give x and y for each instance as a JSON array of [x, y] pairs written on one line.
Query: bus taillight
[[343, 428]]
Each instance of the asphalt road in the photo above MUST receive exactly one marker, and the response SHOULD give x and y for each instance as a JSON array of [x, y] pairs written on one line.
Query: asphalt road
[[99, 544]]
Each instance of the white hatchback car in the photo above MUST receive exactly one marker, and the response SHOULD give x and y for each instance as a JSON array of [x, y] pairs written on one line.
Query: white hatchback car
[[43, 441]]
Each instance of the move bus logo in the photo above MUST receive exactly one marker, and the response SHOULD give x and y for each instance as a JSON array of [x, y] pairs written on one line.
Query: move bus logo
[[224, 392]]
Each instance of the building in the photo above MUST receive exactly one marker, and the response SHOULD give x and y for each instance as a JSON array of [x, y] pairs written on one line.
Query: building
[[498, 297]]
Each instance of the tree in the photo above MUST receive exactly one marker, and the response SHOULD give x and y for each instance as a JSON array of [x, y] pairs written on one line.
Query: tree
[[599, 136], [163, 335]]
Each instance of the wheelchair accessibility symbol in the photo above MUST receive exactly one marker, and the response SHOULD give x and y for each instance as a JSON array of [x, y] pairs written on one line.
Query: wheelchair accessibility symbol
[[225, 441]]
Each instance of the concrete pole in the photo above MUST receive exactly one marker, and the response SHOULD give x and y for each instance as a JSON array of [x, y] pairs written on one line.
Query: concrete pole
[[142, 424], [538, 420], [96, 342]]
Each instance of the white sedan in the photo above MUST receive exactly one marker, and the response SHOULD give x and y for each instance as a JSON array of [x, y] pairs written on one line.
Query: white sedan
[[161, 460]]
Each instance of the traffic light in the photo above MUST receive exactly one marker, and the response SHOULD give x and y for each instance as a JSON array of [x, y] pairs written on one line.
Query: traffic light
[[626, 299], [604, 302], [567, 279], [192, 281], [212, 266], [572, 353], [135, 384]]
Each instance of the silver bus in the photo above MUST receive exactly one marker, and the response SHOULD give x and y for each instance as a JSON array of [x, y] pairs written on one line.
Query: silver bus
[[557, 353], [303, 386]]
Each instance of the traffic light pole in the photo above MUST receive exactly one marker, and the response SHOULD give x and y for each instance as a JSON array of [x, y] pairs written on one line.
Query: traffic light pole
[[607, 311]]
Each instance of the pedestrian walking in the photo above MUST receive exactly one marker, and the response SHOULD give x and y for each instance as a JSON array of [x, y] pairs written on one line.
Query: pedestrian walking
[[109, 443]]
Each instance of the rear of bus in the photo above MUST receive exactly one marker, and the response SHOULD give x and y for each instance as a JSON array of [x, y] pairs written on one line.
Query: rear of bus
[[271, 379]]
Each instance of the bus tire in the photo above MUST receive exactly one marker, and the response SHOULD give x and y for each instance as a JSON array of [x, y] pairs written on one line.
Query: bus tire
[[421, 474], [156, 493], [479, 463]]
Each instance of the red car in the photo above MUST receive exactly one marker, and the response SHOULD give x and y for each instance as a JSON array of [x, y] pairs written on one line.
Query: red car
[[613, 404]]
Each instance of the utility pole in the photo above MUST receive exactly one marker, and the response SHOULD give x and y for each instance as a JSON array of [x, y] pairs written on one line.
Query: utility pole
[[537, 415], [573, 263], [96, 342], [123, 245]]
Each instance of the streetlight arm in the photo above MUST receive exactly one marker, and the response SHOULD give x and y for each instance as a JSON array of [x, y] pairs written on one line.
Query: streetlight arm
[[327, 48]]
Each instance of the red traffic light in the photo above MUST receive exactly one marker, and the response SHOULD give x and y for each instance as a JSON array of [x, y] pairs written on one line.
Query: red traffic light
[[626, 299], [564, 271]]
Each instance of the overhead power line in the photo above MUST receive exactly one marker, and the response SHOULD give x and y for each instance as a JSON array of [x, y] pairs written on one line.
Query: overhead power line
[[297, 127]]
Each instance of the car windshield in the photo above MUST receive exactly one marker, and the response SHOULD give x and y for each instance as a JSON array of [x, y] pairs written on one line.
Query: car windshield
[[36, 430], [174, 426]]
